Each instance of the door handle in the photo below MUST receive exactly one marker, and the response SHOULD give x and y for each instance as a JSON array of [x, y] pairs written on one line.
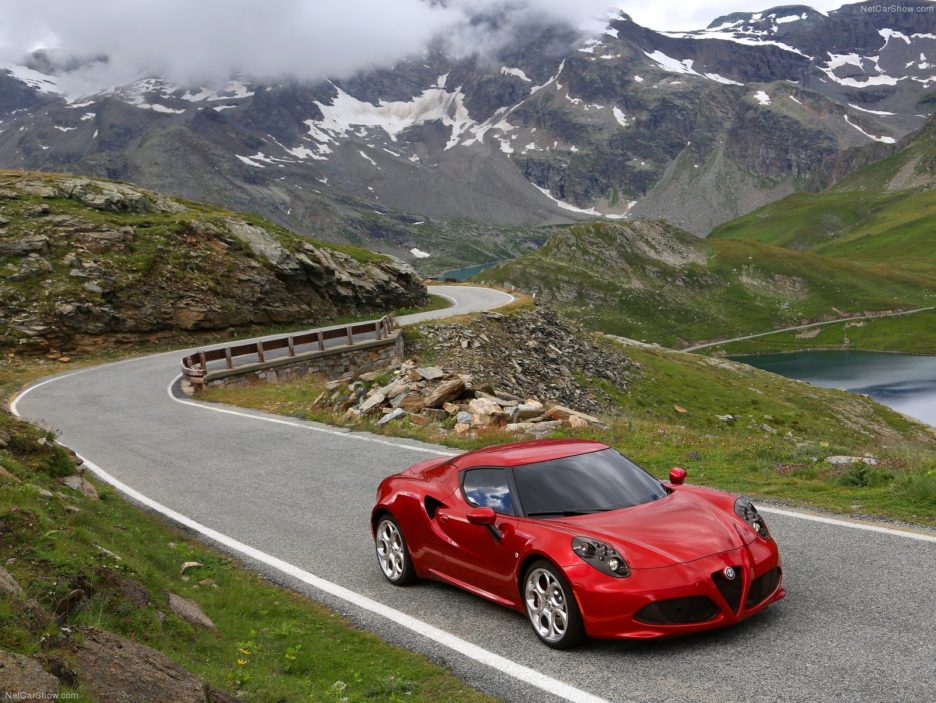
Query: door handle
[[443, 517]]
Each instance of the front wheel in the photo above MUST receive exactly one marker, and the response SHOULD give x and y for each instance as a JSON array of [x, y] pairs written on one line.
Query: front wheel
[[551, 606], [392, 553]]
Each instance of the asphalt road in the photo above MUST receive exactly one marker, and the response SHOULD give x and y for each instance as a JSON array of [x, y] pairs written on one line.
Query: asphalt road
[[858, 624]]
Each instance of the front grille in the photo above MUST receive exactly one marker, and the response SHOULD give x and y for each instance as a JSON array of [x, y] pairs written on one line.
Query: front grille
[[678, 611], [730, 589], [761, 587]]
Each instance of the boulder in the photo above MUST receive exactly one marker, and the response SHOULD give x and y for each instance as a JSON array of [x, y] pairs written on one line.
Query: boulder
[[541, 429], [840, 460], [430, 373], [524, 411], [486, 412], [79, 483], [117, 670], [189, 611], [395, 414], [560, 412], [8, 584], [23, 678], [34, 243], [7, 476], [444, 392], [372, 402]]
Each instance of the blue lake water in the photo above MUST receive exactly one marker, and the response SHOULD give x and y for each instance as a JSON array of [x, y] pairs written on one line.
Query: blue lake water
[[902, 381]]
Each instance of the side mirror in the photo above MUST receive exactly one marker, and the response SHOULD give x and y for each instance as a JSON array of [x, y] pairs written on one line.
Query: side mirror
[[677, 476], [482, 516]]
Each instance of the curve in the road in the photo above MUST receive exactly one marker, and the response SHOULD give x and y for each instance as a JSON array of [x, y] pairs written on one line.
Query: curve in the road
[[292, 499]]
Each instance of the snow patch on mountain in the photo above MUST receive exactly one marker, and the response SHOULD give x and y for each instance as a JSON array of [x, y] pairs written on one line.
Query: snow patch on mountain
[[34, 79], [518, 72], [684, 66], [884, 139], [873, 112], [393, 117]]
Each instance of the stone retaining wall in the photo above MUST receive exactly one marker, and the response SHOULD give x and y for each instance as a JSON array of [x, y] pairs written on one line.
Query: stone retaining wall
[[332, 363]]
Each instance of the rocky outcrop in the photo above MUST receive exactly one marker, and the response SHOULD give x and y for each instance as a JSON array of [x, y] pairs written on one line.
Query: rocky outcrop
[[127, 264], [23, 678], [446, 400], [534, 354], [118, 670]]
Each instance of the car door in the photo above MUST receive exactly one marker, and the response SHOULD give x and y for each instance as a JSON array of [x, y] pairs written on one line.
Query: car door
[[478, 555]]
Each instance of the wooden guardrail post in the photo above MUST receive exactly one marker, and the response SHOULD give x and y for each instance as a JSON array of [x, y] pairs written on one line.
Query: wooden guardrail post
[[260, 352], [227, 358], [321, 341], [203, 362], [292, 345], [350, 336]]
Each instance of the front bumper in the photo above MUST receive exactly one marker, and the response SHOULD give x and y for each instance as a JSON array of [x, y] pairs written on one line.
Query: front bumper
[[683, 598]]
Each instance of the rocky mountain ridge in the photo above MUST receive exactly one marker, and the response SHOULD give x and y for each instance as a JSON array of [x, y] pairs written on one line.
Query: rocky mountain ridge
[[89, 263], [696, 127]]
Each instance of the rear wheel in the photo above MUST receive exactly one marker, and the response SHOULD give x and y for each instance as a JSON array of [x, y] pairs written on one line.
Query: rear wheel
[[392, 553], [551, 606]]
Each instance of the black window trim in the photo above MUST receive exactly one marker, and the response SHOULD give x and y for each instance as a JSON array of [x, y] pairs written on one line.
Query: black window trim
[[511, 484]]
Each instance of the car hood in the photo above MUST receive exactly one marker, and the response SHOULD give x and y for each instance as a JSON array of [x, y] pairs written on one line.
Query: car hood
[[679, 528]]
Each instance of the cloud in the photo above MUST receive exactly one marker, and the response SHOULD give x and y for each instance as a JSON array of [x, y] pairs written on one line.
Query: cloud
[[209, 41], [681, 15]]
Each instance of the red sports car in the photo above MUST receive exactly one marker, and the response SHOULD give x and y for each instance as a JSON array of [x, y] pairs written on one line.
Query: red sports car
[[579, 538]]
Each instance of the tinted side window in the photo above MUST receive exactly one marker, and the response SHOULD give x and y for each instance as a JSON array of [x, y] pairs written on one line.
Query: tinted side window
[[488, 488]]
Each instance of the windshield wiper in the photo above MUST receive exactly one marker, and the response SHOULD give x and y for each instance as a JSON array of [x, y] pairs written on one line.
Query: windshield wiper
[[569, 513]]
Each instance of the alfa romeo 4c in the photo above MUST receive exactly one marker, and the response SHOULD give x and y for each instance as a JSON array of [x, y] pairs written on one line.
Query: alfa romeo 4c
[[580, 539]]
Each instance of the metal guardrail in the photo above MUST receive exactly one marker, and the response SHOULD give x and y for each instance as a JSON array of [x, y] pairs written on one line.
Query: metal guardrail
[[195, 365]]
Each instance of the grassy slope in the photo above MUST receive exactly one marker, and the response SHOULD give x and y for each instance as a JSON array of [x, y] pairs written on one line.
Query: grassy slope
[[785, 462], [880, 215], [596, 274], [271, 644]]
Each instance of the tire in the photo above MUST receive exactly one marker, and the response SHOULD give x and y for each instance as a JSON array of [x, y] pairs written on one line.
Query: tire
[[392, 553], [551, 606]]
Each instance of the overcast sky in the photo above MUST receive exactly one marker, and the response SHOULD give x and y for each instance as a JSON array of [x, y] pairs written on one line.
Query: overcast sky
[[196, 41], [695, 14]]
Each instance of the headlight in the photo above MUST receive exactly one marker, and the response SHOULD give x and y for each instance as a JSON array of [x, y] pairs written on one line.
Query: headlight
[[601, 556], [745, 510]]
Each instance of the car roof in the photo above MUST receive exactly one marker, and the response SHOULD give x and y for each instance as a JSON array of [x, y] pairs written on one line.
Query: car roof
[[530, 452]]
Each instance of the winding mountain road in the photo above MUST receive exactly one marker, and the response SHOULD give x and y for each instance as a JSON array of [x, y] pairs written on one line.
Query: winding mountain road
[[292, 499]]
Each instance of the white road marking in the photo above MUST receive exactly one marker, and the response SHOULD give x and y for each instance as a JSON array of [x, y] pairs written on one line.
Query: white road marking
[[847, 523], [303, 425], [522, 673]]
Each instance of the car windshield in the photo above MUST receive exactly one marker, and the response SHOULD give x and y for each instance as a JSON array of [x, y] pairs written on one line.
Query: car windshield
[[585, 483]]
